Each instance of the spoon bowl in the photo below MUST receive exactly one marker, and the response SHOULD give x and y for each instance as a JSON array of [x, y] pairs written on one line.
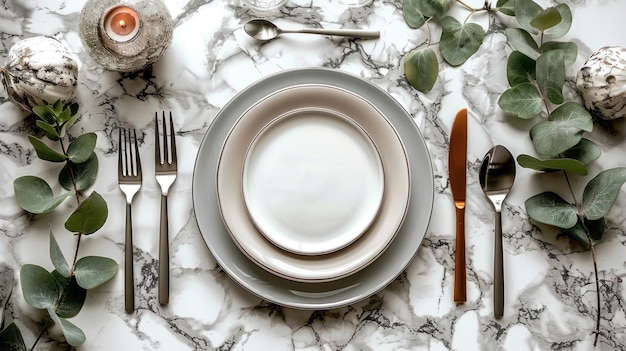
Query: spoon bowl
[[497, 174], [265, 30]]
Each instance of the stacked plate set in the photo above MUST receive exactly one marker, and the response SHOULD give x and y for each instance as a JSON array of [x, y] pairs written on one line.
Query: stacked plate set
[[313, 188]]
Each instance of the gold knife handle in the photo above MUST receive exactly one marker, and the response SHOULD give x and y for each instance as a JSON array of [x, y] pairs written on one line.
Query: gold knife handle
[[460, 291]]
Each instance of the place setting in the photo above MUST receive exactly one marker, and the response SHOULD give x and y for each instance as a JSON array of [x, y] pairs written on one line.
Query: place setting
[[322, 186]]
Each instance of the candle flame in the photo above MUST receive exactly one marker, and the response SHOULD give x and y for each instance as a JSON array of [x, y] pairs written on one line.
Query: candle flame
[[122, 23]]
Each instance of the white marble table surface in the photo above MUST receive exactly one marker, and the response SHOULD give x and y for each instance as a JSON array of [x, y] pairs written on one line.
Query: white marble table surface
[[550, 290]]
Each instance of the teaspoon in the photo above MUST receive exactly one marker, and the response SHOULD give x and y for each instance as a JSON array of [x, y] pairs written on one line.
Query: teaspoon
[[265, 30], [497, 174]]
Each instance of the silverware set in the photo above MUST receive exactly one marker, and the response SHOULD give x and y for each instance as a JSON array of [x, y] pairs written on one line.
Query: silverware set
[[129, 180], [496, 176]]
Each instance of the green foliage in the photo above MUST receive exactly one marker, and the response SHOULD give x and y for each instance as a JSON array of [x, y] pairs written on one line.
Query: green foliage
[[38, 286], [93, 271], [89, 216], [562, 131], [551, 165], [421, 68], [459, 41], [601, 192], [11, 339], [73, 334], [412, 12], [63, 291], [35, 195]]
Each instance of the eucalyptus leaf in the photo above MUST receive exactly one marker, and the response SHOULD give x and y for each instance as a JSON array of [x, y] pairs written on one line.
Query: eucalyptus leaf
[[421, 69], [523, 42], [68, 124], [39, 288], [56, 256], [546, 19], [520, 69], [522, 100], [89, 216], [64, 116], [434, 8], [93, 271], [34, 194], [73, 334], [57, 107], [72, 298], [82, 148], [564, 26], [551, 165], [412, 13], [549, 208], [84, 174], [562, 131], [507, 7], [459, 40], [45, 113], [551, 75], [570, 50], [602, 191], [45, 152], [525, 12], [586, 151], [49, 129], [11, 339], [596, 230]]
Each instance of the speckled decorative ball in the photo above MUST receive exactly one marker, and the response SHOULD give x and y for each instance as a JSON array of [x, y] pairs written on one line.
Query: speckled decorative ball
[[39, 69], [602, 83], [126, 35]]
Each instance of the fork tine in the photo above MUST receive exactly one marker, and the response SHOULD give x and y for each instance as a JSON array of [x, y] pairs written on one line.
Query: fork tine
[[172, 140], [128, 160], [157, 144], [120, 168], [166, 156], [137, 159]]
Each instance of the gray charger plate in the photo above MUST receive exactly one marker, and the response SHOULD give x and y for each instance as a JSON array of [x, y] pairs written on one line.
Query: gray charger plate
[[323, 295]]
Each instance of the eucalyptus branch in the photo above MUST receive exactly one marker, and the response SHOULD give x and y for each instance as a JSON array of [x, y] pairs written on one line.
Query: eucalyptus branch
[[62, 292]]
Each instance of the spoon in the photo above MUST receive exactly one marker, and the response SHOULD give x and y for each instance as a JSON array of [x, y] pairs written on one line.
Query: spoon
[[265, 30], [497, 174]]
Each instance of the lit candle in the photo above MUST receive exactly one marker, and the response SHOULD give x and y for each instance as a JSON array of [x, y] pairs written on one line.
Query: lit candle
[[121, 23]]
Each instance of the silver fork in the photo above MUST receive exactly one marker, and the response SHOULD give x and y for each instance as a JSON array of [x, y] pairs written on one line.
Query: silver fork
[[129, 179], [165, 165]]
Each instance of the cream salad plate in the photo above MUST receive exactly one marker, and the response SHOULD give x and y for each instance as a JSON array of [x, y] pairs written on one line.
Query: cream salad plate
[[318, 159], [368, 278]]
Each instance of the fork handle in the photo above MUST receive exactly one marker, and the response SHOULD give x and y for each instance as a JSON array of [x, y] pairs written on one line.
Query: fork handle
[[164, 255], [129, 278]]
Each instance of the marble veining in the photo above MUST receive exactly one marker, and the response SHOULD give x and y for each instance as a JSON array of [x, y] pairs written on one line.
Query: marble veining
[[549, 281]]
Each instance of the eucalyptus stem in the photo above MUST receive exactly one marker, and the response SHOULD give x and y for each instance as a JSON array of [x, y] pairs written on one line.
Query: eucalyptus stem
[[40, 335], [595, 271], [593, 258], [73, 268]]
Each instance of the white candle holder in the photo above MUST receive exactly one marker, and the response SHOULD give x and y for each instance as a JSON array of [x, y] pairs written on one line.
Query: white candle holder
[[126, 52]]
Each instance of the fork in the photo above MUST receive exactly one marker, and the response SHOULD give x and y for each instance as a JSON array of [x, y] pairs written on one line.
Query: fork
[[165, 166], [129, 179]]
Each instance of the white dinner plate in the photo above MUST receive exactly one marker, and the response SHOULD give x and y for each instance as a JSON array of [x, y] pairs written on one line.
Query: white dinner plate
[[397, 186], [312, 181], [326, 295]]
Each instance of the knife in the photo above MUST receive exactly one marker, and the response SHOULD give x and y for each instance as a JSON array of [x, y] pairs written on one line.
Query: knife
[[457, 164]]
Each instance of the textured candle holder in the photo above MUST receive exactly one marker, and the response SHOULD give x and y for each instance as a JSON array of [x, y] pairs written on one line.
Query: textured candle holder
[[145, 48]]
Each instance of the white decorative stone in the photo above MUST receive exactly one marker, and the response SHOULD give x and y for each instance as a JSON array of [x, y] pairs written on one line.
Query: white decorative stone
[[602, 82], [39, 69]]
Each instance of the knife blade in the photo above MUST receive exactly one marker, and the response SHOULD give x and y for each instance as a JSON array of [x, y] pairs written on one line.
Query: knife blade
[[457, 165]]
